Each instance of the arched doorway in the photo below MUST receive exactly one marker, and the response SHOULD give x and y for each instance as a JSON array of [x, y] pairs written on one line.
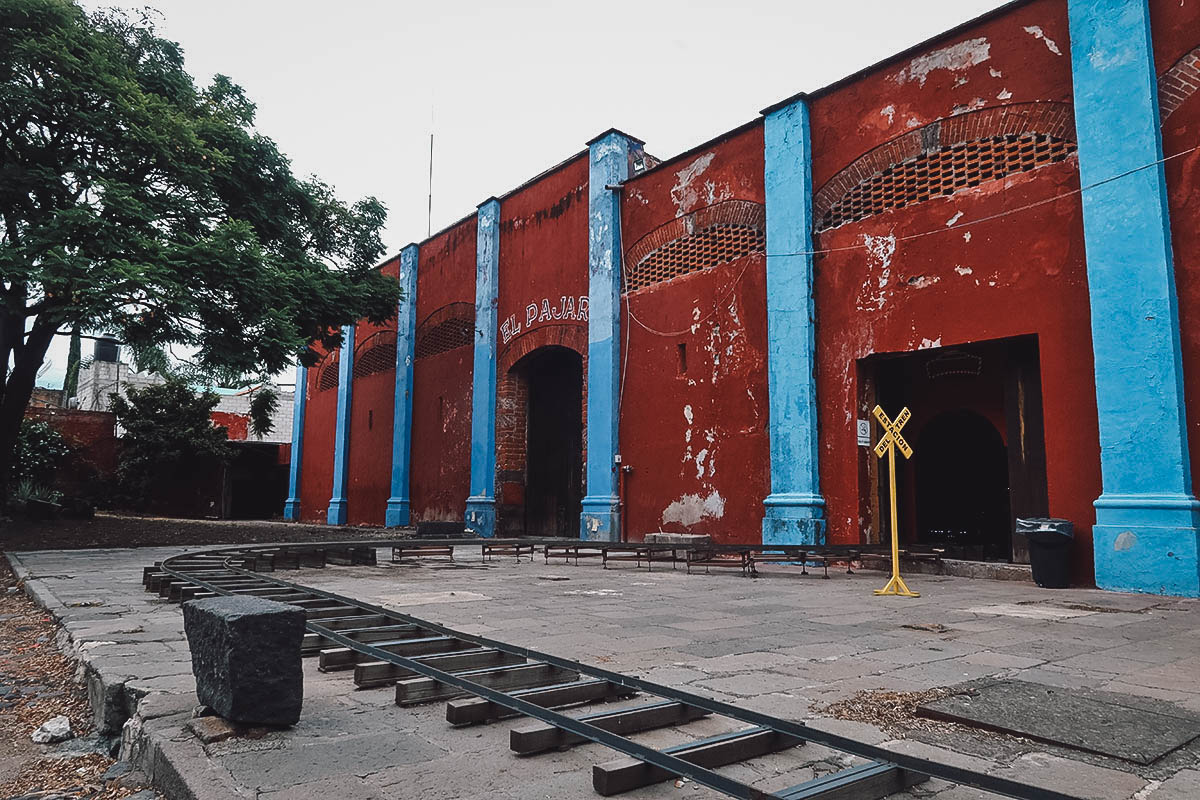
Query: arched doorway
[[962, 491], [541, 472]]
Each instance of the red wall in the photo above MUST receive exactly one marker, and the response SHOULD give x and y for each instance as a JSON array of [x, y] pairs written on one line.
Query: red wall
[[316, 465], [697, 440], [1022, 274], [1177, 33], [441, 443], [543, 256], [369, 481]]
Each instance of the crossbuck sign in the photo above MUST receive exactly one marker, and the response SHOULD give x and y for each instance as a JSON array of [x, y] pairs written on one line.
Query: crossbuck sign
[[888, 445]]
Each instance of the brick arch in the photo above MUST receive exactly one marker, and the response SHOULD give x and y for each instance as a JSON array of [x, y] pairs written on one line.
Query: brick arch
[[376, 353], [1178, 83], [446, 328], [571, 335], [327, 371], [946, 156], [708, 237]]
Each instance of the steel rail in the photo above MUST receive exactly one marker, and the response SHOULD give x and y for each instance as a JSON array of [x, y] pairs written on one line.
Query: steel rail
[[797, 730]]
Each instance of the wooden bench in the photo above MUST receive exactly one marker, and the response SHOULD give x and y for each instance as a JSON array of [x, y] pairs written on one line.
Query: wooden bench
[[487, 551], [417, 550], [726, 558], [571, 551], [803, 556], [639, 553]]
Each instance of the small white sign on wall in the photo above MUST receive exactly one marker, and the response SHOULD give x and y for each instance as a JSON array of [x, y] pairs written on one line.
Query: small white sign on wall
[[864, 433]]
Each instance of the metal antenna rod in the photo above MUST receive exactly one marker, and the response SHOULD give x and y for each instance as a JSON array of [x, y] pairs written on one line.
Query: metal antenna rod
[[429, 216]]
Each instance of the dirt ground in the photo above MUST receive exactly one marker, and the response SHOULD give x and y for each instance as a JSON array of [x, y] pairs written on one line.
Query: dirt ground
[[108, 530], [37, 683]]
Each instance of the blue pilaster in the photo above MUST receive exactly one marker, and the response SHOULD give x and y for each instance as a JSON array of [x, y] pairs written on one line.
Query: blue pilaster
[[291, 509], [341, 432], [794, 512], [610, 157], [1147, 517], [481, 505], [406, 335]]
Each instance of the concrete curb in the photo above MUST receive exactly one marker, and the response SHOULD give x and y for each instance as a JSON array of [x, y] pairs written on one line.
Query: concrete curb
[[151, 723]]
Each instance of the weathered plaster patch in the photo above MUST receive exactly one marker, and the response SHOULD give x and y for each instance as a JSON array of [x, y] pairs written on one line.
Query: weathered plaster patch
[[961, 270], [954, 58], [963, 108], [683, 193], [922, 281], [927, 344], [1005, 94], [687, 414], [954, 219], [1036, 32], [1126, 540], [692, 508], [889, 112], [880, 250], [995, 73], [967, 236]]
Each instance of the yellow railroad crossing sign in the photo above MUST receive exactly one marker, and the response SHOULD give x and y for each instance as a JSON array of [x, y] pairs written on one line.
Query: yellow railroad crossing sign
[[891, 433], [887, 446]]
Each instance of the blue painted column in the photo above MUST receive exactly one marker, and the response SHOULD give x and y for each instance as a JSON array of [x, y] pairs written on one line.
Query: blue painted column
[[291, 509], [398, 508], [1147, 517], [336, 514], [481, 505], [794, 512], [610, 157]]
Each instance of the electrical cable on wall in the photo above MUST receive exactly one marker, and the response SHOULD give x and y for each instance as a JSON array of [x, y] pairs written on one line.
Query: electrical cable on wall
[[728, 292]]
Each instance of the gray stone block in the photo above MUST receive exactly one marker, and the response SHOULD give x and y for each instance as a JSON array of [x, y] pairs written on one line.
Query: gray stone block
[[246, 658]]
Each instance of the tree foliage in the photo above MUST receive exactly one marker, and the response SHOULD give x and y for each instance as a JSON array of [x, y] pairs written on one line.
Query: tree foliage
[[168, 431], [135, 202], [263, 405], [39, 451]]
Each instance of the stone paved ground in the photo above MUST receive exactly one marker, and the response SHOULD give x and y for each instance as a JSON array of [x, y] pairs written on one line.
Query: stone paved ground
[[785, 644]]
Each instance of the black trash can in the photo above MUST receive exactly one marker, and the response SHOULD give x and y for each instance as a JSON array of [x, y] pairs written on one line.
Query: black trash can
[[1049, 550]]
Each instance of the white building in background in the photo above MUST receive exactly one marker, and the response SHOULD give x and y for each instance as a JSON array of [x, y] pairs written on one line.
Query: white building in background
[[107, 375]]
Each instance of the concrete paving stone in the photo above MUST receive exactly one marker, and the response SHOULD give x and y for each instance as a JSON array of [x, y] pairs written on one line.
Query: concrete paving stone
[[1003, 660], [944, 673], [1073, 777], [343, 787], [1184, 785], [822, 650], [751, 684], [741, 662], [281, 767], [834, 669], [921, 653], [1066, 679]]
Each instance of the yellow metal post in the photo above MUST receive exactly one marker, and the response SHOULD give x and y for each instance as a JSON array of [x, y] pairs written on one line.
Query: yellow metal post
[[888, 444]]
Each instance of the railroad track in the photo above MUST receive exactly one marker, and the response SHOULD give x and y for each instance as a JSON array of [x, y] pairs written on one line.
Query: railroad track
[[483, 680]]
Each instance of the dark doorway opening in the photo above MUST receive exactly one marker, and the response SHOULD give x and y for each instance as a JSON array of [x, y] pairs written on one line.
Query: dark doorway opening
[[979, 451], [961, 471], [553, 441]]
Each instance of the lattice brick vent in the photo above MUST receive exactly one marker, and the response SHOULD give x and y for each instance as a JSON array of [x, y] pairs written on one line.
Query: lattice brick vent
[[449, 327], [328, 377], [706, 238], [944, 172], [376, 354]]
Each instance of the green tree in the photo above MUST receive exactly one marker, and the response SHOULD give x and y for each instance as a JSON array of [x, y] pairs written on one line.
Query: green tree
[[134, 201], [168, 429], [74, 361], [39, 451]]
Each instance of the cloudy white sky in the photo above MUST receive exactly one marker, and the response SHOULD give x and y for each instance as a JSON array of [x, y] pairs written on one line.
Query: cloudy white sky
[[351, 90]]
